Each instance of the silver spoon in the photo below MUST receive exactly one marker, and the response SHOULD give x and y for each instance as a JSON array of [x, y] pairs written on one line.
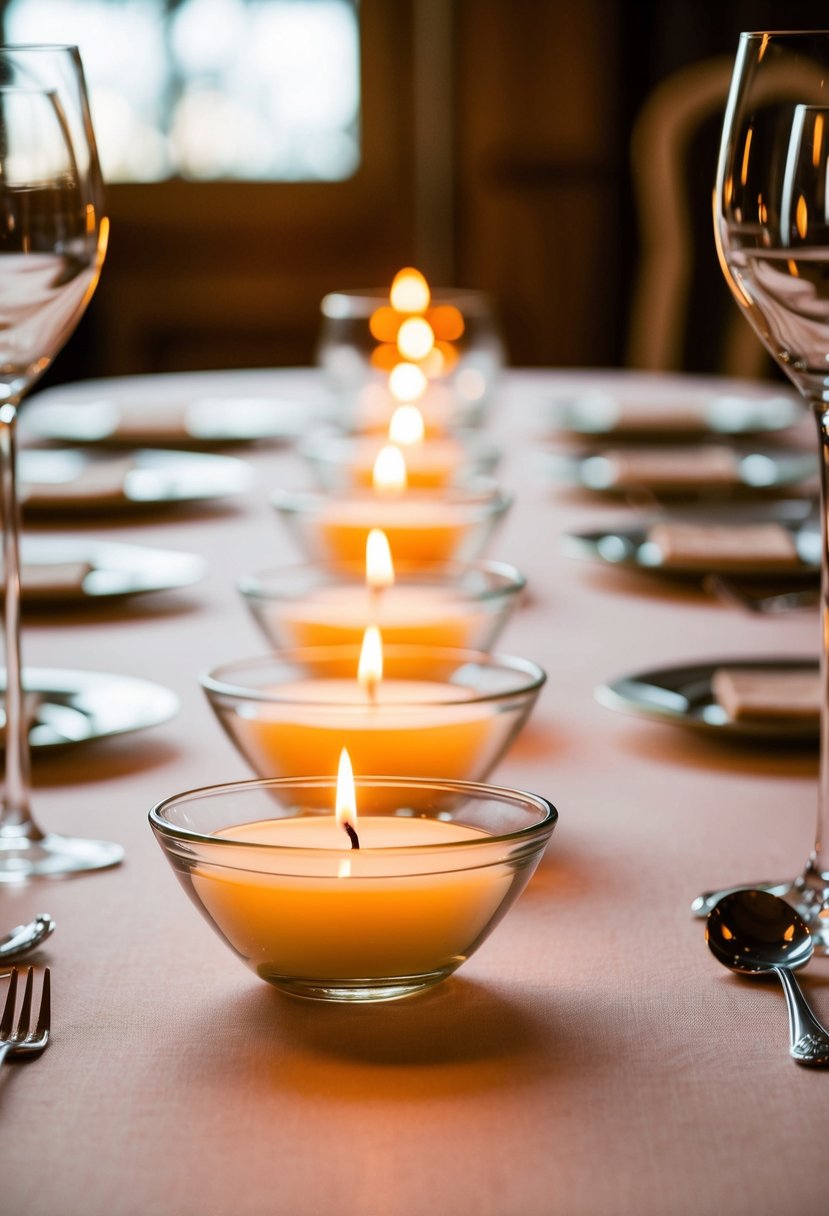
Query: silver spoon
[[753, 932], [24, 938]]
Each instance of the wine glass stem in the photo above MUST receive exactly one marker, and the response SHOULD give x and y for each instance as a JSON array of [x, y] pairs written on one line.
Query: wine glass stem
[[815, 867], [15, 817]]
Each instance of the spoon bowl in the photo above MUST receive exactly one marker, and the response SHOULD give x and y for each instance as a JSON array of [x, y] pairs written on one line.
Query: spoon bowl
[[754, 932], [23, 938]]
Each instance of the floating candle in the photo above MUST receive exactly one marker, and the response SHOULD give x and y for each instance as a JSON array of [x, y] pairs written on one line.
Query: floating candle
[[438, 866], [422, 526], [436, 604], [433, 712]]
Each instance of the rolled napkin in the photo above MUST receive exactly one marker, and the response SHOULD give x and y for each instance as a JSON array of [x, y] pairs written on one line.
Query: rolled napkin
[[752, 693], [672, 467], [703, 546], [97, 481]]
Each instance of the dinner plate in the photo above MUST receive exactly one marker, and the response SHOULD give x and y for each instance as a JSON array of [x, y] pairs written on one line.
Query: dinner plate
[[683, 696], [76, 570], [638, 413], [69, 707], [732, 471], [79, 481], [146, 411], [631, 547]]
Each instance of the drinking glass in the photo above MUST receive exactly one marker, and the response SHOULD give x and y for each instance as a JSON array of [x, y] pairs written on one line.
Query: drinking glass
[[771, 224], [52, 242]]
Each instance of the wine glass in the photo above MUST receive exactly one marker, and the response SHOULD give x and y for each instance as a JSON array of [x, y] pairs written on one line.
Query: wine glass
[[52, 242], [771, 224]]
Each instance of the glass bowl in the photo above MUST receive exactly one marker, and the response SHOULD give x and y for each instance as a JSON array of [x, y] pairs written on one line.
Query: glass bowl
[[440, 863], [341, 462], [462, 374], [455, 524], [453, 604], [436, 712]]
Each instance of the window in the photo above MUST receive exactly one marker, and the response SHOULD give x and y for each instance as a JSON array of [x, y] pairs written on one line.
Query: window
[[209, 90]]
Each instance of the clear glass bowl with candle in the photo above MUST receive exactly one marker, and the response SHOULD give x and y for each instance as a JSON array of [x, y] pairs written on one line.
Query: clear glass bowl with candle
[[454, 524], [446, 340], [342, 461], [455, 604], [439, 864], [433, 711]]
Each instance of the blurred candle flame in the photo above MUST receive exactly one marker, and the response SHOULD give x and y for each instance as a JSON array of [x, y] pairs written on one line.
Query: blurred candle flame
[[370, 667], [407, 382], [388, 475], [415, 338], [410, 291], [406, 426], [379, 565]]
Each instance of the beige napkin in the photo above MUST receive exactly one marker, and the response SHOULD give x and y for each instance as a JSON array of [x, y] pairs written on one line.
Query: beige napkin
[[703, 545], [57, 579], [659, 416], [746, 693], [708, 465], [142, 420], [99, 480]]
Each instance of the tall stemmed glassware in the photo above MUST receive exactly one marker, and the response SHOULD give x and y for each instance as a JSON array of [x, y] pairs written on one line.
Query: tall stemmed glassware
[[52, 243], [771, 221]]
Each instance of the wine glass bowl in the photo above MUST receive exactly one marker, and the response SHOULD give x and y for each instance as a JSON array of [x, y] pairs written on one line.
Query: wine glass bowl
[[771, 230], [53, 235]]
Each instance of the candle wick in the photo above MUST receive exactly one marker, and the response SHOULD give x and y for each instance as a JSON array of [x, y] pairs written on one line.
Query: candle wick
[[352, 836]]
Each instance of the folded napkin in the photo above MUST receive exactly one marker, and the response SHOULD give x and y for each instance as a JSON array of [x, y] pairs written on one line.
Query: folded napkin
[[97, 481], [686, 466], [608, 413], [701, 546], [57, 579], [751, 693], [137, 421]]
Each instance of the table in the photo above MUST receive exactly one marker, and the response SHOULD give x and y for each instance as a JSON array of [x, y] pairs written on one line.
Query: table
[[592, 1058]]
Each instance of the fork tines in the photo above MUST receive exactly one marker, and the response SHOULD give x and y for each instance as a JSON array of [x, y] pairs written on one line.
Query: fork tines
[[18, 1038]]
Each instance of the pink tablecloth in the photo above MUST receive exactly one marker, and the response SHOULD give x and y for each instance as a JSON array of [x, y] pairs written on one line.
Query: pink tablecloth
[[591, 1058]]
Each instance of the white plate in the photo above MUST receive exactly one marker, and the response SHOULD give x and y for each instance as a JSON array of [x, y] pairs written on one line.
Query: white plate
[[69, 707], [76, 480], [682, 696], [212, 409], [77, 570], [638, 413]]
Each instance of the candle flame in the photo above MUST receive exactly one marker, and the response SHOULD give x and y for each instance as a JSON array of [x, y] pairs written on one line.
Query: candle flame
[[389, 473], [346, 807], [407, 382], [415, 338], [379, 565], [370, 667], [410, 291], [406, 426]]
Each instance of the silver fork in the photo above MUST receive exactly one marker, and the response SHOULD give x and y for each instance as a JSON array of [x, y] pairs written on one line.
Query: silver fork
[[19, 1040]]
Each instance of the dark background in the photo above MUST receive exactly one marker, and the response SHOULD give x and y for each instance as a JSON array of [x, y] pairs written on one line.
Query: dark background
[[496, 155]]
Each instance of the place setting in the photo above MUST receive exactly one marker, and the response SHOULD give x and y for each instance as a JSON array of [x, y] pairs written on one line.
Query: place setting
[[215, 410]]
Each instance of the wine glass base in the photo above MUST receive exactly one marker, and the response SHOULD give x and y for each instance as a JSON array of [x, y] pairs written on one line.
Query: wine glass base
[[807, 898], [54, 856]]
